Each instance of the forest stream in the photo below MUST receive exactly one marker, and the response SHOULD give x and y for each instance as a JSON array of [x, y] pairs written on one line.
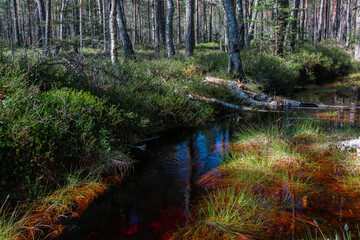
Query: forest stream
[[158, 194]]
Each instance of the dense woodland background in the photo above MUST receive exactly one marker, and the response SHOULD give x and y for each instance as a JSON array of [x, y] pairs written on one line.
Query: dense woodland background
[[54, 25]]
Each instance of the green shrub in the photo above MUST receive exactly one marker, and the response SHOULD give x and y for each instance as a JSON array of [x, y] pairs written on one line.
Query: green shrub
[[56, 128], [273, 72]]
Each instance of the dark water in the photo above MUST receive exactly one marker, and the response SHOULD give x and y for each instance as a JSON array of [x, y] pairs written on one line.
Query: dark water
[[158, 194]]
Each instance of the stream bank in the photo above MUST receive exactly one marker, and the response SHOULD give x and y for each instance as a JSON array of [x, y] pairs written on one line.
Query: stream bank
[[156, 198]]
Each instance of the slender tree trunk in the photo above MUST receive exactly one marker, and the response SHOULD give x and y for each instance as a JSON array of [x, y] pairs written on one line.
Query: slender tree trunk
[[357, 37], [76, 26], [105, 39], [241, 23], [10, 28], [162, 22], [294, 25], [235, 65], [189, 28], [48, 26], [282, 16], [157, 26], [211, 13], [320, 23], [91, 24], [205, 32], [135, 37], [169, 29], [63, 26], [348, 23], [125, 39], [28, 22], [149, 22], [112, 29], [16, 24], [81, 23], [178, 20], [42, 19], [251, 27], [197, 22]]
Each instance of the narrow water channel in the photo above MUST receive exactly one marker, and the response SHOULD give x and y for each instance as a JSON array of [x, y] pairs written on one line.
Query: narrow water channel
[[157, 195]]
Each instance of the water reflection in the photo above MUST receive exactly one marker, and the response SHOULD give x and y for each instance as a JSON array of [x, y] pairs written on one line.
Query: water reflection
[[158, 195]]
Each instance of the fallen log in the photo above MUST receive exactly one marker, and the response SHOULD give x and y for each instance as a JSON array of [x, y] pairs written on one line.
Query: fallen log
[[255, 99], [247, 96], [225, 104]]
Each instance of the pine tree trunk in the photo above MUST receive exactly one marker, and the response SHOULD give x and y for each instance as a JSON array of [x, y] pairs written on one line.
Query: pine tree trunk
[[16, 24], [235, 65], [162, 21], [205, 32], [169, 28], [112, 29], [125, 39], [251, 27], [189, 28]]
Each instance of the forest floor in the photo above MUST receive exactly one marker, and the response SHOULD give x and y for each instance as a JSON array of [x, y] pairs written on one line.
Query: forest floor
[[72, 112]]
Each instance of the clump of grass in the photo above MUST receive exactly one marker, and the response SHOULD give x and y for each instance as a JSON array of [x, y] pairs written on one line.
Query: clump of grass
[[270, 172], [42, 218]]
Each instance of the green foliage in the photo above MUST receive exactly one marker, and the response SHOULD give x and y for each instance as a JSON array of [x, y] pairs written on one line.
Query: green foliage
[[273, 72], [321, 62]]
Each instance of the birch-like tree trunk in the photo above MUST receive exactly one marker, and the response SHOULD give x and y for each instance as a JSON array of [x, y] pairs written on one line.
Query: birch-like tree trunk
[[63, 26], [235, 65], [348, 23], [48, 26], [42, 20], [125, 39], [320, 22], [252, 24], [112, 29], [169, 28], [357, 37], [189, 28]]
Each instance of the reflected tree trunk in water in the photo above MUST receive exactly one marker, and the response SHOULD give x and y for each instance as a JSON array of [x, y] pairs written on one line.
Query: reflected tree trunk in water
[[191, 176]]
